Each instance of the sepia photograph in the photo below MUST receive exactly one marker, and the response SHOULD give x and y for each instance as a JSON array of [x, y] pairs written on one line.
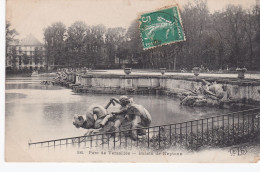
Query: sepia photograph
[[132, 81]]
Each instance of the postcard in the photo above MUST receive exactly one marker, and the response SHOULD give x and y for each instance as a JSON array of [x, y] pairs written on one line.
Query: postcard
[[132, 81]]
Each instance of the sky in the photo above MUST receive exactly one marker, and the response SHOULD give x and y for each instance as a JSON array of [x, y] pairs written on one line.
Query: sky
[[32, 16]]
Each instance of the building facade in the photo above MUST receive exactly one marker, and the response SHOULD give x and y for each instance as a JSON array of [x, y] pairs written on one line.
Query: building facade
[[28, 53]]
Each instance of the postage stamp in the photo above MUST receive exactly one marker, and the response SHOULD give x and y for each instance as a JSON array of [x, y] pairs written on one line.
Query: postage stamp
[[161, 27]]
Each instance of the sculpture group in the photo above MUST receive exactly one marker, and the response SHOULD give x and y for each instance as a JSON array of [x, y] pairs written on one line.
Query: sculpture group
[[208, 94], [129, 116]]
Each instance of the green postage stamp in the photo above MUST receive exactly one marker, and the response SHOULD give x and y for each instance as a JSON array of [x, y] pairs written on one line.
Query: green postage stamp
[[161, 27]]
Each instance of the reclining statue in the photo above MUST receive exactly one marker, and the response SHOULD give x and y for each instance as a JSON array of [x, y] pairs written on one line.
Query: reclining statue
[[208, 94]]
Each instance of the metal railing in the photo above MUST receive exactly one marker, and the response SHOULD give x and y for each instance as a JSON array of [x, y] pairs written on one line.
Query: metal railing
[[216, 131]]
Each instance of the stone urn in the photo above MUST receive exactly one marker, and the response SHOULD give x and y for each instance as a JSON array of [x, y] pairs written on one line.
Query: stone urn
[[127, 70], [241, 72], [196, 71], [84, 70], [163, 70]]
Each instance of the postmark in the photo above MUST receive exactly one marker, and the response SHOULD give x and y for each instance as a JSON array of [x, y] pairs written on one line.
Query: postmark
[[161, 27]]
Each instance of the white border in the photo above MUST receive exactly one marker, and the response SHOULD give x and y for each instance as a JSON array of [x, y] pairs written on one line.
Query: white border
[[93, 167], [2, 79]]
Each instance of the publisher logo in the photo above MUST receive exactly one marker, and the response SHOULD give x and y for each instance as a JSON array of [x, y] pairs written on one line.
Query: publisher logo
[[238, 151]]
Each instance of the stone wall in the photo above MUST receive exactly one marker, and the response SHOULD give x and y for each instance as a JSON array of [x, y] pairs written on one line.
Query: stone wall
[[239, 90]]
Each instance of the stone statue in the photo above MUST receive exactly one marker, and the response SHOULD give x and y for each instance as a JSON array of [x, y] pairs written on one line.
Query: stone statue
[[208, 94], [98, 120]]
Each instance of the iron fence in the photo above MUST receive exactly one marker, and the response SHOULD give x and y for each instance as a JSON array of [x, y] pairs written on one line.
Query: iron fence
[[216, 131]]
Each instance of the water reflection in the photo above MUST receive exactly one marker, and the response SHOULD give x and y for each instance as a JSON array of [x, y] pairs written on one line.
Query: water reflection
[[53, 114], [10, 96], [29, 85]]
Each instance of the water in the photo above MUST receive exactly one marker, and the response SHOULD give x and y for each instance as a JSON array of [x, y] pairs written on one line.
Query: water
[[38, 112]]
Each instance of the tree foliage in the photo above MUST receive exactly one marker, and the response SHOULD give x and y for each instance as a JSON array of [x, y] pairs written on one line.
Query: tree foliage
[[224, 39], [9, 33], [54, 37], [229, 38]]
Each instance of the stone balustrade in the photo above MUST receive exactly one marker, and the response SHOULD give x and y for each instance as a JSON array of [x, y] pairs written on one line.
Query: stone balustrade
[[247, 90]]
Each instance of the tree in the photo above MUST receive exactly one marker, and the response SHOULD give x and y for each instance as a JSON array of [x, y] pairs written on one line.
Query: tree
[[236, 35], [115, 43], [54, 37], [256, 16], [134, 44], [195, 22], [10, 34], [95, 41], [230, 37], [75, 43]]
